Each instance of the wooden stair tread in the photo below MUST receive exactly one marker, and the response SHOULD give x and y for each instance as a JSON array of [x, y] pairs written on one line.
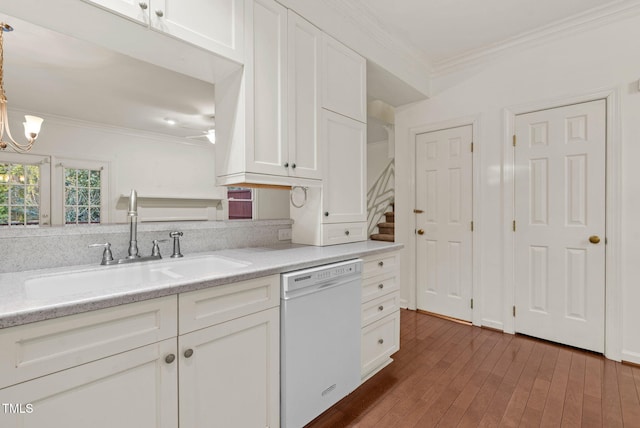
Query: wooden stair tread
[[386, 224], [383, 237]]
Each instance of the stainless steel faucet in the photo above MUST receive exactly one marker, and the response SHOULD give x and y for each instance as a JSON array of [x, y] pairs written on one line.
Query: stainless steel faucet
[[133, 256], [133, 225]]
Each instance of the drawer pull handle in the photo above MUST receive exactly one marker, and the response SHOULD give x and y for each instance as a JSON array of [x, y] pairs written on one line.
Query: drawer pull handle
[[346, 232], [381, 286], [380, 264], [381, 308], [170, 358], [188, 353], [381, 341]]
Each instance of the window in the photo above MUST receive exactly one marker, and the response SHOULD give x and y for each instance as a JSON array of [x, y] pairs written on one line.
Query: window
[[80, 192], [24, 190], [240, 203], [82, 200]]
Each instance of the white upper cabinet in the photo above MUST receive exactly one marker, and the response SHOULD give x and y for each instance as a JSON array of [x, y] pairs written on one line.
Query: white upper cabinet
[[215, 25], [344, 184], [305, 50], [344, 80], [268, 154]]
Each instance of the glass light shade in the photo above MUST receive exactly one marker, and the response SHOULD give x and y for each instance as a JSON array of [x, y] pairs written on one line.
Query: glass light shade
[[211, 136], [32, 126]]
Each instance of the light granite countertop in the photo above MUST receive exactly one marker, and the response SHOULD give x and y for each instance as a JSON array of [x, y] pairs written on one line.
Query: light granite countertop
[[22, 304]]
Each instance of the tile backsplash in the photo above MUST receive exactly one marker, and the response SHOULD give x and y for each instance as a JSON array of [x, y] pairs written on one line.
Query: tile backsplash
[[46, 247]]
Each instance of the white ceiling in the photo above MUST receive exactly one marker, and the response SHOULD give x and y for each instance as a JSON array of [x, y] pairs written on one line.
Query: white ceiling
[[49, 73], [443, 29]]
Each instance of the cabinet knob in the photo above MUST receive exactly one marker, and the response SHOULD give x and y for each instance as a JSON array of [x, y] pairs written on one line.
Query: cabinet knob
[[381, 341], [159, 13], [380, 264], [188, 353], [346, 232], [595, 239], [293, 166], [286, 165], [170, 358], [326, 213], [143, 5], [381, 286], [381, 308]]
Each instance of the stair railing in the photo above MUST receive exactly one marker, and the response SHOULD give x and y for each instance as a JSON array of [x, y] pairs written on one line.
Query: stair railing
[[380, 196]]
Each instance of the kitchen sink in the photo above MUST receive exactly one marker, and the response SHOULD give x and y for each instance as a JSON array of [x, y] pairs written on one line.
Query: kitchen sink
[[128, 276]]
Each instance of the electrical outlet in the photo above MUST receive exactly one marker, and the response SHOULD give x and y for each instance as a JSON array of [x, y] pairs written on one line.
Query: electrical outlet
[[284, 234]]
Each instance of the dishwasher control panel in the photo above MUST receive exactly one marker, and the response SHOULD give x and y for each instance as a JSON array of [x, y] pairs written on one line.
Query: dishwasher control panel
[[296, 280]]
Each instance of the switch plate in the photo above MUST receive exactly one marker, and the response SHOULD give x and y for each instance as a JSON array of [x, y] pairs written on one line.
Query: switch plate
[[284, 234]]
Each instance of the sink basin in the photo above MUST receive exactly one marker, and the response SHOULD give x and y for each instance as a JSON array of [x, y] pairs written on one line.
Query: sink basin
[[127, 276]]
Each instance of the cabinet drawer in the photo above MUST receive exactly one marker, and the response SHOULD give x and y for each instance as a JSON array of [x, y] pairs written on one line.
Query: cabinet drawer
[[379, 286], [203, 308], [32, 350], [380, 264], [379, 340], [380, 308], [341, 233]]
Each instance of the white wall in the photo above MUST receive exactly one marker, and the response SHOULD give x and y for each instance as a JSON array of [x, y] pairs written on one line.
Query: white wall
[[601, 59], [377, 160]]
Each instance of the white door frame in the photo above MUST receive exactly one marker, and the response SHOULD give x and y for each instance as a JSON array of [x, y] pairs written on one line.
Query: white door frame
[[477, 227], [613, 300]]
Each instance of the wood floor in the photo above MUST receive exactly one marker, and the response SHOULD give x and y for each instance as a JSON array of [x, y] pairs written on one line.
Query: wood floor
[[448, 374]]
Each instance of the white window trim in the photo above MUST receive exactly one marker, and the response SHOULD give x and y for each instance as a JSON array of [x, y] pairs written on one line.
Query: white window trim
[[57, 188], [45, 179]]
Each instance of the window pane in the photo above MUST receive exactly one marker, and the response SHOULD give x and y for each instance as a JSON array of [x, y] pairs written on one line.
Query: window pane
[[94, 179], [95, 215], [17, 216], [95, 197], [83, 215], [70, 198], [83, 177], [4, 194], [33, 175], [83, 196], [16, 174], [4, 173], [32, 196], [70, 178], [70, 215], [4, 215], [16, 195], [33, 215]]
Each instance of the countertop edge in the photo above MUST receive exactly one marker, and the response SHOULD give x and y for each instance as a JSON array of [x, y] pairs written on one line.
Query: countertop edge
[[73, 307]]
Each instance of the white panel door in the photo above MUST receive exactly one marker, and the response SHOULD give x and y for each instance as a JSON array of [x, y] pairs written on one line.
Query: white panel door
[[444, 192], [344, 182], [559, 209]]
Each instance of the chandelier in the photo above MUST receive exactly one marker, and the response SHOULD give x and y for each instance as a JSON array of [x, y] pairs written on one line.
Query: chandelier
[[31, 123]]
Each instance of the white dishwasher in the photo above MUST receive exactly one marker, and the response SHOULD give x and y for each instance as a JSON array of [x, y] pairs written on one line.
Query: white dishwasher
[[319, 339]]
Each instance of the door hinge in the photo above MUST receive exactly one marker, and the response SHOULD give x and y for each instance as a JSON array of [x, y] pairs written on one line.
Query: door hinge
[[472, 147], [514, 310], [472, 226], [514, 225], [514, 140], [471, 303]]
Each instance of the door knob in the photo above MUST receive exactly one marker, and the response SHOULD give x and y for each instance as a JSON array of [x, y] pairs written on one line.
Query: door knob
[[594, 239], [420, 231]]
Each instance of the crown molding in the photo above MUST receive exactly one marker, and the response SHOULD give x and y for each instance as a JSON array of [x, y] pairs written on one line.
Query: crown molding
[[588, 20]]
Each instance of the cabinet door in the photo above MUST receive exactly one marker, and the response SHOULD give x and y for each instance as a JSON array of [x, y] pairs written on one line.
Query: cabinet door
[[344, 183], [135, 389], [231, 375], [305, 50], [344, 80], [215, 25], [268, 154], [136, 10]]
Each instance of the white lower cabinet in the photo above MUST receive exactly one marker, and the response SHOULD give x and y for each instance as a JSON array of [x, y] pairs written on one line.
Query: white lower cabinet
[[380, 312], [130, 367], [229, 373], [137, 388]]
